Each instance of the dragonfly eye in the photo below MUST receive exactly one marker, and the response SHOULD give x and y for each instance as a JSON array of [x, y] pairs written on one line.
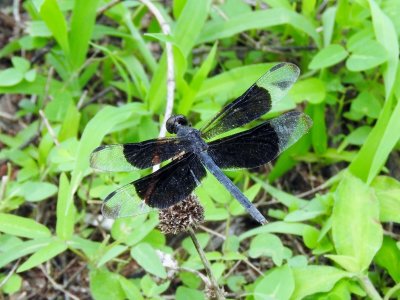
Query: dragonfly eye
[[174, 121]]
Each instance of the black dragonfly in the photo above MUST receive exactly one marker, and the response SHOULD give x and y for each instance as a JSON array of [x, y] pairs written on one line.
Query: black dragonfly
[[191, 155]]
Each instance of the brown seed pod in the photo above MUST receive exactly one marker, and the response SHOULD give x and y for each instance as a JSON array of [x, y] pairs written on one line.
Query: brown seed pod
[[180, 216]]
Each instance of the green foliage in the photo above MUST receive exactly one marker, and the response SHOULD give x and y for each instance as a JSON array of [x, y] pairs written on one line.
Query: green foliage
[[100, 76]]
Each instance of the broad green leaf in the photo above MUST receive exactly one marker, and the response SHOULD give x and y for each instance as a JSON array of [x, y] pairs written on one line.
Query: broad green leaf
[[387, 191], [105, 285], [370, 55], [388, 257], [269, 245], [355, 228], [44, 254], [277, 284], [21, 64], [38, 191], [131, 291], [148, 259], [315, 279], [262, 19], [23, 227], [312, 90], [10, 77], [328, 56], [184, 293], [367, 104], [55, 21], [23, 249], [151, 288], [82, 24], [12, 284]]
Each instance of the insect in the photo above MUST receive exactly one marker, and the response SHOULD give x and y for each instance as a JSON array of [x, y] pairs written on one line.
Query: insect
[[193, 153]]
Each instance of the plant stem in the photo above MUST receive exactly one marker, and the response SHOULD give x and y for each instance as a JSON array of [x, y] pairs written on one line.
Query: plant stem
[[391, 291], [369, 287], [213, 282]]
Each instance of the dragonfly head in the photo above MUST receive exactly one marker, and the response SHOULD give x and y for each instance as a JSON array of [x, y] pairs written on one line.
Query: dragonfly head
[[174, 122]]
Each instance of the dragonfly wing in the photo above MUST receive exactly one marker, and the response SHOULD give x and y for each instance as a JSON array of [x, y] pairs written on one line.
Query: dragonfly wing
[[255, 102], [128, 157], [161, 189], [261, 144]]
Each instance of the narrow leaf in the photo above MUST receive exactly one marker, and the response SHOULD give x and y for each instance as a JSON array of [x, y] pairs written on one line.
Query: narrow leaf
[[23, 227]]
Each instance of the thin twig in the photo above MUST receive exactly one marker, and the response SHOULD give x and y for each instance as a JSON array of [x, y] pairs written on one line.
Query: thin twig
[[391, 291], [214, 284], [170, 67], [82, 99], [97, 97], [8, 116], [49, 128], [57, 286], [107, 7]]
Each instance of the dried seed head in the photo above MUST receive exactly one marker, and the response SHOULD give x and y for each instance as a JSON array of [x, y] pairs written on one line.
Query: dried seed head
[[180, 216]]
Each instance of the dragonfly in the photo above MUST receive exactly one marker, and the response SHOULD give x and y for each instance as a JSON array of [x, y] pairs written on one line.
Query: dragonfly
[[192, 152]]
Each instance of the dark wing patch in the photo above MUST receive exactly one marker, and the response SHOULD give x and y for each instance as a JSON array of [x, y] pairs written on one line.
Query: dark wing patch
[[261, 144], [255, 102], [172, 183], [128, 157]]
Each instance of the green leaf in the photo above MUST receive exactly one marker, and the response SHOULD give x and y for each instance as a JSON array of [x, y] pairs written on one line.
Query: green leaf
[[10, 77], [55, 21], [113, 252], [355, 228], [105, 285], [329, 56], [257, 20], [44, 254], [328, 24], [366, 104], [23, 249], [387, 191], [187, 28], [277, 284], [12, 285], [21, 64], [184, 293], [275, 227], [386, 35], [189, 96], [147, 258], [388, 257], [370, 55], [23, 227], [311, 89], [65, 210], [38, 191], [30, 76], [132, 292], [267, 245], [315, 279], [82, 24]]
